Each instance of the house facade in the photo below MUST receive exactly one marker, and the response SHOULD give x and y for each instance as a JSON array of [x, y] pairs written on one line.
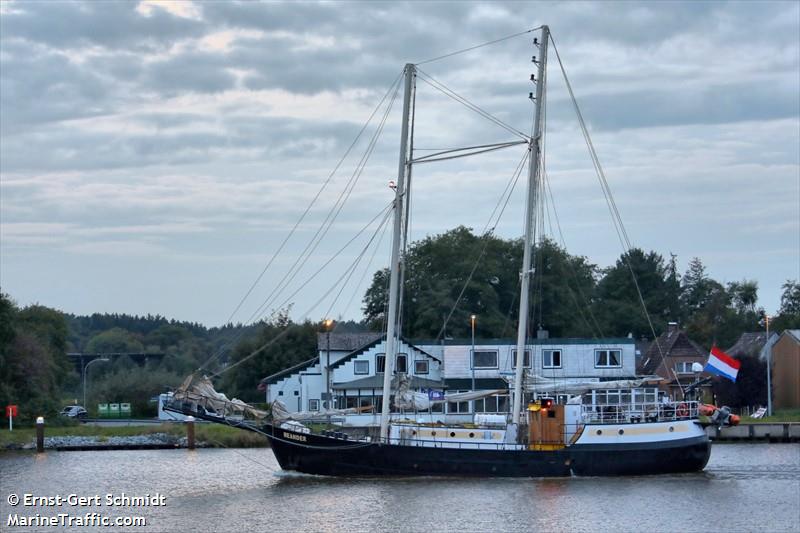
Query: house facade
[[352, 377], [671, 357], [786, 370]]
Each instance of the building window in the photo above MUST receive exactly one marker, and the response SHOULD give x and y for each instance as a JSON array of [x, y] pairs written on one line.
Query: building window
[[458, 407], [420, 367], [551, 358], [400, 365], [361, 367], [280, 393], [484, 359], [313, 405], [607, 358], [684, 367], [297, 393], [526, 360]]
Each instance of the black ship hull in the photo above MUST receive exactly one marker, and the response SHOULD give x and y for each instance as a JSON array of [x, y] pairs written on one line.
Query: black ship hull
[[323, 455]]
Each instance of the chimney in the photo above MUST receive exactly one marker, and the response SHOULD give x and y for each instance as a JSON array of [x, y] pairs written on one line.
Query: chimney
[[672, 327], [542, 333]]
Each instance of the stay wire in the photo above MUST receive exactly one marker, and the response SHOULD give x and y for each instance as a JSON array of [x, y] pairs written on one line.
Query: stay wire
[[487, 43], [333, 214], [393, 86], [615, 215], [286, 330], [441, 87]]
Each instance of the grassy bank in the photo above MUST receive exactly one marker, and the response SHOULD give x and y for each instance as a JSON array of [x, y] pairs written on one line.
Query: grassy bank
[[778, 417], [214, 435]]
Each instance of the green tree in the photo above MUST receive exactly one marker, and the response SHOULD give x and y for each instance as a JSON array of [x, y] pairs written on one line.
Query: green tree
[[617, 303], [789, 312], [114, 340]]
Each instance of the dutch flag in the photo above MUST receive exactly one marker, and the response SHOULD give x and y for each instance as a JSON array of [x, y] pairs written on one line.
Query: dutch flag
[[722, 364]]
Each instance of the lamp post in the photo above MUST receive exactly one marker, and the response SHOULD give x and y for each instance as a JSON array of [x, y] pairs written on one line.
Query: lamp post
[[769, 368], [328, 323], [472, 322], [85, 372]]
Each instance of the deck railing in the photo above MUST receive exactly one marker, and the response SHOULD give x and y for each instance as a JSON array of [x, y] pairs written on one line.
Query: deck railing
[[638, 412]]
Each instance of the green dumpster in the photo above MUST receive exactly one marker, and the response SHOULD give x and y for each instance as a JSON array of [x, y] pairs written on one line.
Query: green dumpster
[[102, 410], [113, 410], [125, 410]]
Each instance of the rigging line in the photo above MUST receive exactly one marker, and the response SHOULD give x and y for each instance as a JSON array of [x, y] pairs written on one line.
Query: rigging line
[[432, 159], [487, 43], [395, 86], [407, 209], [486, 234], [333, 214], [611, 204], [386, 212], [286, 330], [570, 269], [367, 269], [441, 87], [354, 266], [549, 192], [451, 150]]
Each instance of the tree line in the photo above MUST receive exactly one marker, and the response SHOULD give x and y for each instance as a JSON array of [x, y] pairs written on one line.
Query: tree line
[[570, 296]]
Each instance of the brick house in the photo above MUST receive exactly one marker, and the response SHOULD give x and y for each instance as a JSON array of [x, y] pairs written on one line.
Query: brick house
[[671, 356], [786, 370]]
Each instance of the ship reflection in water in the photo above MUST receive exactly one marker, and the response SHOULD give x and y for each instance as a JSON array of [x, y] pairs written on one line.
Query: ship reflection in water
[[745, 487]]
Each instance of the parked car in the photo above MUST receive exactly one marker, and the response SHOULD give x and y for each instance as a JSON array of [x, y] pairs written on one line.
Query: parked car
[[74, 411]]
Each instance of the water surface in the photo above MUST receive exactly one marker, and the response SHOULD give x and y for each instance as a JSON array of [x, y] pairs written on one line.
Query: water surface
[[745, 487]]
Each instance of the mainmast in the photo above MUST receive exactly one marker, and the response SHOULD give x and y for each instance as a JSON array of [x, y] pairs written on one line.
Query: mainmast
[[392, 334], [530, 215]]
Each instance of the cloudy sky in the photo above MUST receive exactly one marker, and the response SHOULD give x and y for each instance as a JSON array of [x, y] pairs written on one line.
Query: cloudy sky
[[153, 156]]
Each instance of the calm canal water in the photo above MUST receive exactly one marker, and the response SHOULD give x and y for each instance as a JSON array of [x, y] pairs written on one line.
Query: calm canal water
[[745, 487]]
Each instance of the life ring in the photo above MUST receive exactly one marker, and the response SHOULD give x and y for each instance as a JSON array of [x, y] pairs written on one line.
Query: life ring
[[682, 411]]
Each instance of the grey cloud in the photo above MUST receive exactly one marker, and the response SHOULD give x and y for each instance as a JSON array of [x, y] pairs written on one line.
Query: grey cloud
[[109, 24]]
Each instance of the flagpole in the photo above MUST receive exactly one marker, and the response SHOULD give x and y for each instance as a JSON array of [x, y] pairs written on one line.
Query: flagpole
[[769, 369]]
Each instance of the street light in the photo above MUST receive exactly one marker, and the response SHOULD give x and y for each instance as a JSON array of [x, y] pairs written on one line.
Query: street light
[[85, 368], [472, 322], [327, 324], [769, 368]]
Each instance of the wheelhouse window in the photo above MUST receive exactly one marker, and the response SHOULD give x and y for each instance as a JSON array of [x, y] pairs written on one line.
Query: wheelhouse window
[[551, 358], [361, 367], [526, 360], [484, 359], [684, 367], [607, 358], [313, 405], [421, 367]]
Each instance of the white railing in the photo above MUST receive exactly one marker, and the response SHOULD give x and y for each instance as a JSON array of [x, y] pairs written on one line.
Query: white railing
[[638, 412]]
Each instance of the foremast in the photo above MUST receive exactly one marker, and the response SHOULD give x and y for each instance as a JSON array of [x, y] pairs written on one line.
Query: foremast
[[530, 225], [392, 333]]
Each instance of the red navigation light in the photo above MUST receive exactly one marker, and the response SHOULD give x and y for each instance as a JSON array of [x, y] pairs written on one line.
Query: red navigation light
[[547, 403]]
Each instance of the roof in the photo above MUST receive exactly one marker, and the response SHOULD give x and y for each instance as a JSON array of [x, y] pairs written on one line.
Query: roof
[[795, 333], [372, 344], [673, 343], [274, 378], [376, 382], [346, 342], [529, 342], [748, 344]]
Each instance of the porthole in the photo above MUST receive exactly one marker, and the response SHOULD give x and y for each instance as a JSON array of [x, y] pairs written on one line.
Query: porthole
[[621, 431], [433, 433], [413, 431], [599, 431], [671, 429], [452, 433], [472, 435]]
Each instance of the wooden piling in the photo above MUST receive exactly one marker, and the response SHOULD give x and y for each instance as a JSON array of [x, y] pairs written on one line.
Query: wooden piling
[[190, 432], [40, 434]]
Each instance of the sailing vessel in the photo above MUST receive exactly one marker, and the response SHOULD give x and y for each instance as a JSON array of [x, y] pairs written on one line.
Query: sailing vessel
[[640, 433]]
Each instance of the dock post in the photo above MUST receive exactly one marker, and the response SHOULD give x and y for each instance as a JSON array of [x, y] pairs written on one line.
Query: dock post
[[40, 434], [190, 432]]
